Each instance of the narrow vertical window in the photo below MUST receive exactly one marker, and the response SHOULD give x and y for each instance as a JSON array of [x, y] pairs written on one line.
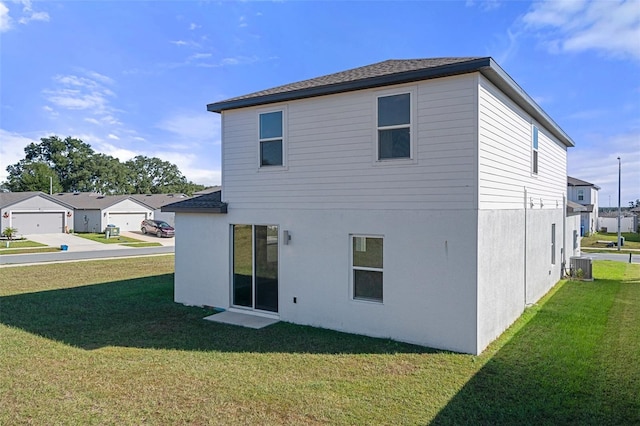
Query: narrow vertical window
[[394, 126], [367, 264], [575, 239], [580, 194], [553, 243], [271, 139], [534, 143]]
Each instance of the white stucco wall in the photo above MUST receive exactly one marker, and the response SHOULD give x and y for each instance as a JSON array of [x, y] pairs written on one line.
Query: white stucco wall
[[573, 224], [627, 224], [429, 271]]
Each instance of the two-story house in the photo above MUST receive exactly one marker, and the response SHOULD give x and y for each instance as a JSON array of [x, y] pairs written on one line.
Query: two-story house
[[419, 200], [586, 194]]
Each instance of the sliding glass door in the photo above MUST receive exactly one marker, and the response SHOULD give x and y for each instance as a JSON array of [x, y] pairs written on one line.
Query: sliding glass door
[[255, 267]]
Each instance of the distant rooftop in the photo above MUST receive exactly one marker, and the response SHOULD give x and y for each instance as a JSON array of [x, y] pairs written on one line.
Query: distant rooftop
[[571, 181]]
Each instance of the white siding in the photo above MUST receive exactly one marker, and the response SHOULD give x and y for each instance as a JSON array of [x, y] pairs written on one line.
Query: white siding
[[331, 148], [505, 156]]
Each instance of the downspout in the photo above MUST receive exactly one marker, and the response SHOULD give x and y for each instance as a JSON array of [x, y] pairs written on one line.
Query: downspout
[[525, 247]]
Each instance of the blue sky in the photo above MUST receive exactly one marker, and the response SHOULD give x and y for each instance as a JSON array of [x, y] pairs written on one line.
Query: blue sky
[[134, 78]]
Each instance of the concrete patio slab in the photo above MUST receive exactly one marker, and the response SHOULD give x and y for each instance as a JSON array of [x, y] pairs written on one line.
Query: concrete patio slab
[[243, 320]]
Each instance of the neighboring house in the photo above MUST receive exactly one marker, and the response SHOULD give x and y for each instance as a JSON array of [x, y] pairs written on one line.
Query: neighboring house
[[93, 212], [157, 201], [34, 213], [209, 190], [608, 222], [572, 229], [586, 194], [417, 200]]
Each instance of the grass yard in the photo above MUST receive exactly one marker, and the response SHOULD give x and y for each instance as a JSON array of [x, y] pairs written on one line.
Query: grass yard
[[101, 238], [142, 244], [24, 247], [631, 240], [102, 342]]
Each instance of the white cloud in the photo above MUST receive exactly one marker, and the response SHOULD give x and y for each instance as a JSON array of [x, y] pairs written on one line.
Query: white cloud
[[11, 150], [114, 137], [195, 127], [485, 5], [598, 164], [5, 19], [87, 92], [200, 56], [193, 26], [610, 27], [28, 14]]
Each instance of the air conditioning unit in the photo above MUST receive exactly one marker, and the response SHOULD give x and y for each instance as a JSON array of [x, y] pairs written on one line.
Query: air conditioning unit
[[581, 268]]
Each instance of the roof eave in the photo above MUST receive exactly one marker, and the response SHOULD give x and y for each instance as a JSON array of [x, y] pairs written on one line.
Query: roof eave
[[386, 80], [504, 82]]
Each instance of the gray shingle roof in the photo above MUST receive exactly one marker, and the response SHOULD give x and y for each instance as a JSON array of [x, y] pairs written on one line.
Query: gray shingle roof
[[392, 71], [207, 203], [571, 181], [9, 198], [155, 201], [397, 71]]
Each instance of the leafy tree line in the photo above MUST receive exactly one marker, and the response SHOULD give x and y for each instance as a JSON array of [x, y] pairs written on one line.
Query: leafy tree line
[[73, 166]]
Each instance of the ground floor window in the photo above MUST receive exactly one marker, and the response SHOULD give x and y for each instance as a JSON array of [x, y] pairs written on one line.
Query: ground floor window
[[553, 243], [367, 267], [255, 267]]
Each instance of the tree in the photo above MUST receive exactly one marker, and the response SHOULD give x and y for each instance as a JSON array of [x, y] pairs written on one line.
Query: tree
[[154, 176], [32, 176], [72, 166], [69, 158], [109, 175], [633, 204]]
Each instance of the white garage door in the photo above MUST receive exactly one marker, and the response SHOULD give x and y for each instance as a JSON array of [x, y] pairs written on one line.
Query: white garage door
[[37, 222], [126, 221]]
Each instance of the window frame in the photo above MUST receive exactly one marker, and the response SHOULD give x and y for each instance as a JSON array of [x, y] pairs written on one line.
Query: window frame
[[535, 148], [580, 194], [353, 268], [283, 138], [411, 91]]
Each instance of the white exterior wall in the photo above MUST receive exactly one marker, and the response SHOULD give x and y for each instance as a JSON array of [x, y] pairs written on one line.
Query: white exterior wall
[[168, 217], [463, 253], [429, 284], [573, 224], [627, 224], [516, 210], [330, 153]]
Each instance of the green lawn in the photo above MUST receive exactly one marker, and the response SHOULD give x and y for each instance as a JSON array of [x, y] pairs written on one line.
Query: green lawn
[[631, 240], [101, 238], [102, 342], [141, 244], [24, 247]]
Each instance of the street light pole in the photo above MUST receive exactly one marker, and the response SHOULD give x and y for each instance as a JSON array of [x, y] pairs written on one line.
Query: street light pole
[[619, 208]]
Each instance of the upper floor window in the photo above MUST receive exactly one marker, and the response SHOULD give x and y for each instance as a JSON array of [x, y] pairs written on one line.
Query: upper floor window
[[580, 194], [394, 126], [271, 138], [534, 143]]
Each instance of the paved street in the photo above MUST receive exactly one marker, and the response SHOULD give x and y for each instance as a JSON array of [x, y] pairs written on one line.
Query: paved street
[[635, 258], [81, 249]]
